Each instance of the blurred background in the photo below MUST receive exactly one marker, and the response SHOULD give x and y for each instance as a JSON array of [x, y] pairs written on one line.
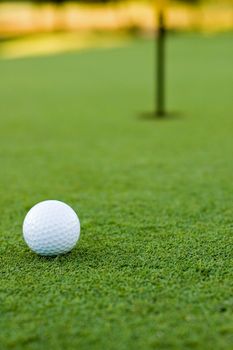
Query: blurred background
[[43, 27]]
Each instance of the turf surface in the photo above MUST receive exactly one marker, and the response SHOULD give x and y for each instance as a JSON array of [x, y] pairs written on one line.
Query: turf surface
[[153, 268]]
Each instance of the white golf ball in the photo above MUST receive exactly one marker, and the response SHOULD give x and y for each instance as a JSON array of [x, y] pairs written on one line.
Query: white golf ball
[[51, 228]]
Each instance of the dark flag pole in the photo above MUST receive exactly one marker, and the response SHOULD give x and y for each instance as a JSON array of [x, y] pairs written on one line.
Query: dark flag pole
[[160, 62]]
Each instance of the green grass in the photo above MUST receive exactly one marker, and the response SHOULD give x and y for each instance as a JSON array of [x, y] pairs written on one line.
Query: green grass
[[153, 267]]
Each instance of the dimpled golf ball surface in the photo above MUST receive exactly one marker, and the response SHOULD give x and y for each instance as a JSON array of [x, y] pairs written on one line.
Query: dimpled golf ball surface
[[51, 228]]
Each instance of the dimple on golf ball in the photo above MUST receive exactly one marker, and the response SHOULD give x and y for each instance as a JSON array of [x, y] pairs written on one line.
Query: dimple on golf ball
[[51, 228]]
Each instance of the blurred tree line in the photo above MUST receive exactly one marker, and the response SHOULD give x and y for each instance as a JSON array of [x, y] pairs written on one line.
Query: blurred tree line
[[102, 1], [58, 2]]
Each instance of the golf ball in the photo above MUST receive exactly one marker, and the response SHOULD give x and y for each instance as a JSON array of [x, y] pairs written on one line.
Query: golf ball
[[51, 228]]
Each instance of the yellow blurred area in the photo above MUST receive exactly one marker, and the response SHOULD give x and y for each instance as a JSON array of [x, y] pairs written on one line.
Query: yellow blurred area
[[29, 18], [52, 43], [22, 18], [75, 24]]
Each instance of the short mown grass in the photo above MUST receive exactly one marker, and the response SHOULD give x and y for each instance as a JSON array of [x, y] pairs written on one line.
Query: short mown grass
[[153, 267]]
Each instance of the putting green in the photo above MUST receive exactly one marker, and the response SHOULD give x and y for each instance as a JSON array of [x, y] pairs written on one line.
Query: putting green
[[153, 268]]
